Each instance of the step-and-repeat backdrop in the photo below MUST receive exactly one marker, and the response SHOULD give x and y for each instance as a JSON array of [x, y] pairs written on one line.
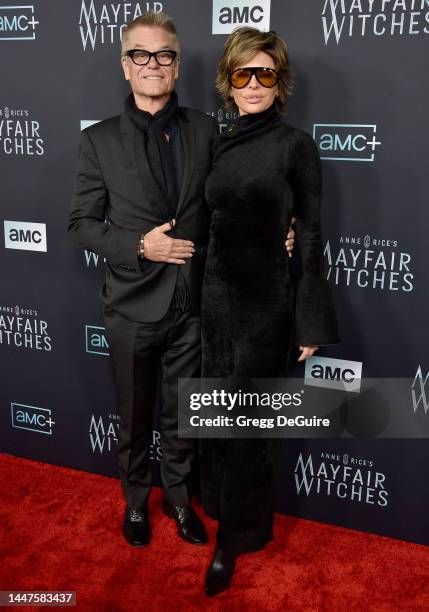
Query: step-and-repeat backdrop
[[361, 90]]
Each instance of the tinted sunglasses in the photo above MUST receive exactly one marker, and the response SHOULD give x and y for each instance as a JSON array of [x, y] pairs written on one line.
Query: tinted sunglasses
[[241, 77]]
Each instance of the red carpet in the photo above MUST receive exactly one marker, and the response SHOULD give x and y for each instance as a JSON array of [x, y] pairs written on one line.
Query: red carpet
[[61, 531]]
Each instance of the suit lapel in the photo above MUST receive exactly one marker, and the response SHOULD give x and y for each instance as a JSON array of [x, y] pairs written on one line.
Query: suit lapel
[[188, 138], [133, 144]]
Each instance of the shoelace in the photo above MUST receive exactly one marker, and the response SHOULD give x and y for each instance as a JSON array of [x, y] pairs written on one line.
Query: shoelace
[[182, 513], [136, 516]]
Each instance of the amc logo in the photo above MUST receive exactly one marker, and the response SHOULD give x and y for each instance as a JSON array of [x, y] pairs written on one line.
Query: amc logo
[[17, 22], [346, 141], [231, 14], [32, 418], [25, 236], [95, 340], [333, 373]]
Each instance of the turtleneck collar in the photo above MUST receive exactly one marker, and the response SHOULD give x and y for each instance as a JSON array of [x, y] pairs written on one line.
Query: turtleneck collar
[[246, 128], [253, 122], [266, 116]]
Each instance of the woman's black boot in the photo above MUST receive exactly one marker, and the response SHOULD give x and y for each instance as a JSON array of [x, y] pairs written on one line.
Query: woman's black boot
[[219, 574]]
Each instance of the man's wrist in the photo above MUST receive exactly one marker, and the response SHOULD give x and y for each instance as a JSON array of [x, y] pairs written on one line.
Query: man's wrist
[[140, 248]]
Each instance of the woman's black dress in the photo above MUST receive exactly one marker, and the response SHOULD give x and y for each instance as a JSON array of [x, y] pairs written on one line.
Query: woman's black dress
[[264, 172]]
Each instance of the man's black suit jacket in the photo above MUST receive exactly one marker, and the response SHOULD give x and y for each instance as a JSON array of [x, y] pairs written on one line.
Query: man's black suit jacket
[[116, 199]]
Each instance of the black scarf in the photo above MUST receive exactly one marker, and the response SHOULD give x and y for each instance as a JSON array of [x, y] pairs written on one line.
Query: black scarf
[[158, 150]]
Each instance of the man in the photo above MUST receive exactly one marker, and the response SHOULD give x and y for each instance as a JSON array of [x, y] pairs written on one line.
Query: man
[[139, 202]]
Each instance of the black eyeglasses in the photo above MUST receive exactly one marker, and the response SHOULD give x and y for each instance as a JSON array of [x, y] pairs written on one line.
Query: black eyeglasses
[[241, 77], [142, 57]]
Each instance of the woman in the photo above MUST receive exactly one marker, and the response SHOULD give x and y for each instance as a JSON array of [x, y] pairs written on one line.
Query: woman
[[264, 172]]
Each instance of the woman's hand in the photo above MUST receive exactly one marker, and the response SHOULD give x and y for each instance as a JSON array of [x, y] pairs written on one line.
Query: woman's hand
[[307, 351], [290, 238]]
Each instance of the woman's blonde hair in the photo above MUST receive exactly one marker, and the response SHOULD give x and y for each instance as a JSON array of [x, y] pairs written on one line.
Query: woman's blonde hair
[[241, 46]]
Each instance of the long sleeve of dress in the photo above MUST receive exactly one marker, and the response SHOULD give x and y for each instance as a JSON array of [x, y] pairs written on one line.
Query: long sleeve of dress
[[315, 316]]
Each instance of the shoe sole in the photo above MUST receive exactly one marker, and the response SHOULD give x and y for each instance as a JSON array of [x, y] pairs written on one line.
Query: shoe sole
[[135, 544], [221, 589]]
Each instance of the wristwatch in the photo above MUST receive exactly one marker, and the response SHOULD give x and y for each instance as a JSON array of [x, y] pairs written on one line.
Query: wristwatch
[[140, 248]]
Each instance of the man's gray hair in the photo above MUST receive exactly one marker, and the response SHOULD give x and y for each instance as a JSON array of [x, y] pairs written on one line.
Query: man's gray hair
[[152, 19]]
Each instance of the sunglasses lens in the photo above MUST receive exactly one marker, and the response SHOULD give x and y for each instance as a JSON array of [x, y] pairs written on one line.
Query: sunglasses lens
[[240, 78], [267, 78]]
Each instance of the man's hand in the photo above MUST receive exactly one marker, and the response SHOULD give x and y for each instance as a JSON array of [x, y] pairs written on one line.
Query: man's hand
[[290, 238], [160, 247], [307, 351]]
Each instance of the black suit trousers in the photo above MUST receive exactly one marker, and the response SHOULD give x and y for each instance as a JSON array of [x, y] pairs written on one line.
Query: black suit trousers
[[140, 353]]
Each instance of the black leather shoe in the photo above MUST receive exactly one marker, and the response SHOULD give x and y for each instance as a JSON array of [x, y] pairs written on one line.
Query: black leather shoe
[[135, 526], [189, 526], [220, 572]]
